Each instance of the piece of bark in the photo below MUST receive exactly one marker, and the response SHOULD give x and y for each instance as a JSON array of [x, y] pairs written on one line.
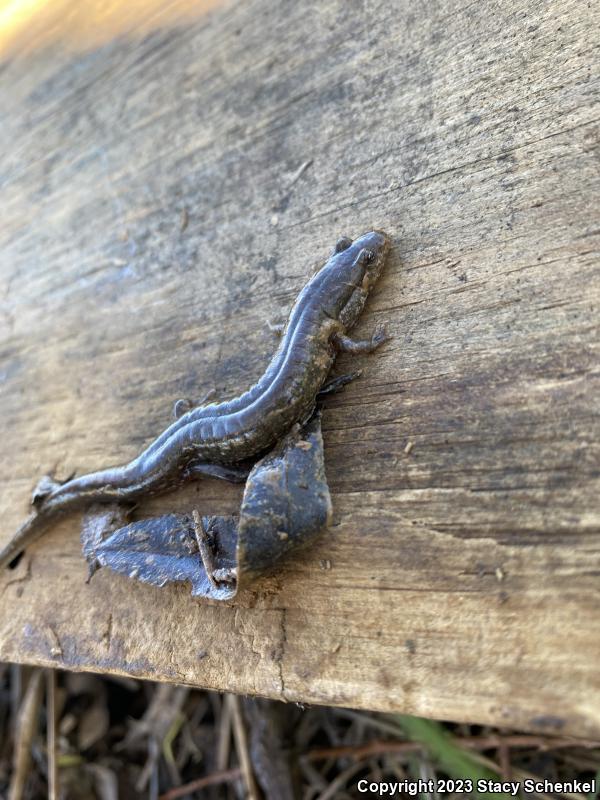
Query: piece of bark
[[470, 134], [286, 505]]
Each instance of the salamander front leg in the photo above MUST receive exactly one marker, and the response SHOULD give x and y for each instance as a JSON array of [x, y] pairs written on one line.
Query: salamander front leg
[[344, 344], [276, 327], [343, 243]]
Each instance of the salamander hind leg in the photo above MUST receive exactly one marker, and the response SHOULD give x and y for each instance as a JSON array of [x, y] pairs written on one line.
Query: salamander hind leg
[[184, 404], [335, 385], [181, 407], [44, 488], [236, 473]]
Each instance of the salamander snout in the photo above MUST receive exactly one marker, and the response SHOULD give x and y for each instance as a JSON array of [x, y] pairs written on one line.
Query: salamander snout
[[375, 241], [370, 251], [350, 274]]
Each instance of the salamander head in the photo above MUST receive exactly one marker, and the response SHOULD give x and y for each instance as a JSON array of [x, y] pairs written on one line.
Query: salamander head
[[351, 273]]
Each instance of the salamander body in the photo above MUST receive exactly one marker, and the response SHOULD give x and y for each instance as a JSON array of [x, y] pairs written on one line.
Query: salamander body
[[210, 438]]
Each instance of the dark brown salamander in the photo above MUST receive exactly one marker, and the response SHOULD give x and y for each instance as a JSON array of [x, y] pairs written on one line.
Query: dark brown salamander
[[214, 438]]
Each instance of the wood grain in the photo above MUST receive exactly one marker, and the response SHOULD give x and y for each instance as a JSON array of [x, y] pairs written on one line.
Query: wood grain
[[154, 217]]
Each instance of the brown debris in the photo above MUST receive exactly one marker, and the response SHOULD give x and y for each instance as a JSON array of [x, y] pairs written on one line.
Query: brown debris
[[168, 742]]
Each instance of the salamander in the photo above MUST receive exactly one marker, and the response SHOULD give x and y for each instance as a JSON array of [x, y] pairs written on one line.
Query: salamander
[[215, 438]]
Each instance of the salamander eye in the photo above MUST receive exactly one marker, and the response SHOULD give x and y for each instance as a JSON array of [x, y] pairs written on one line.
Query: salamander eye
[[365, 256], [342, 244]]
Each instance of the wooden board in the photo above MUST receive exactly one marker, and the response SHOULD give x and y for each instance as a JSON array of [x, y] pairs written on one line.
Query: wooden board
[[165, 194]]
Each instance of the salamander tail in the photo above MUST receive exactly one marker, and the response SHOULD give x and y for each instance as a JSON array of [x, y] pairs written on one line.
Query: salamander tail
[[29, 531]]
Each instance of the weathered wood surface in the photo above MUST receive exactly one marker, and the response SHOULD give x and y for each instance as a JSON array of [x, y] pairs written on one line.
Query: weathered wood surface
[[154, 216]]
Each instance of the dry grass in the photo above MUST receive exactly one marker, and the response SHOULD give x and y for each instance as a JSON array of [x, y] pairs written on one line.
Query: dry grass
[[80, 736]]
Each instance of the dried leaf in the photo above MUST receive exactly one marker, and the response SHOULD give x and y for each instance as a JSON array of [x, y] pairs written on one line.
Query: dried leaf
[[99, 521], [286, 504], [93, 725], [159, 550]]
